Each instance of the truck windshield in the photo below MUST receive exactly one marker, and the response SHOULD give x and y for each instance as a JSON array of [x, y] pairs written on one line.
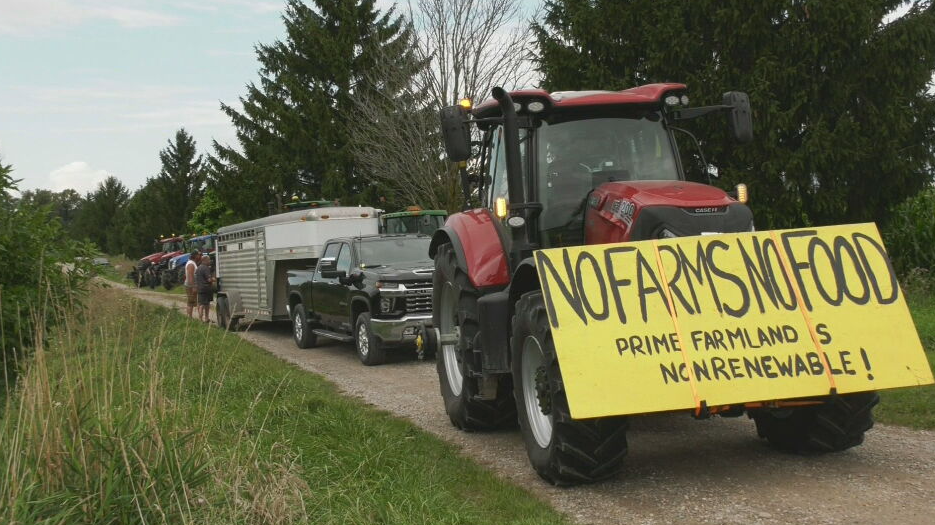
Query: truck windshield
[[401, 250], [576, 156]]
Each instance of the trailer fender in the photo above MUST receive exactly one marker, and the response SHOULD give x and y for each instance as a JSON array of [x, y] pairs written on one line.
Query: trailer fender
[[236, 305], [478, 245]]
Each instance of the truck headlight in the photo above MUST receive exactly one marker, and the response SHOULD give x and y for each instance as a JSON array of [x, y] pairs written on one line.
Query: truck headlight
[[386, 305]]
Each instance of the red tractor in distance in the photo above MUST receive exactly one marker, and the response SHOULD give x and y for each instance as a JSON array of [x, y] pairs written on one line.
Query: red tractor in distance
[[557, 170]]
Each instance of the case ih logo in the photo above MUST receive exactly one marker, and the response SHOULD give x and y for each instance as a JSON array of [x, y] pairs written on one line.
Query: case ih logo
[[623, 210], [709, 209]]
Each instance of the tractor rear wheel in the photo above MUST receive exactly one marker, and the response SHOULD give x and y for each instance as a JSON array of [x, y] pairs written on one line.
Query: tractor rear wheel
[[836, 425], [563, 451], [454, 310]]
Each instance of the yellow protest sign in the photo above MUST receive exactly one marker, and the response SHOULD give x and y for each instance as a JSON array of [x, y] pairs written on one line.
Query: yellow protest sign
[[724, 319]]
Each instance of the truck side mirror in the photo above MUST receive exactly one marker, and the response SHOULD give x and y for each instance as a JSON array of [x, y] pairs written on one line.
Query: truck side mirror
[[456, 133], [327, 265], [739, 118], [340, 275]]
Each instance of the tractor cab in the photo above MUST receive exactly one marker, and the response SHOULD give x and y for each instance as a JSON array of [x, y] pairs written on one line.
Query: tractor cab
[[413, 220], [588, 163]]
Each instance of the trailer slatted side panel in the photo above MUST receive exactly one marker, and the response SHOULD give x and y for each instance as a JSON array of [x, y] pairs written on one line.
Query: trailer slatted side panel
[[238, 270]]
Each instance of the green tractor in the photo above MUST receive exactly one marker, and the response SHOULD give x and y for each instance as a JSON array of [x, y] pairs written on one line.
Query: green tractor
[[413, 220]]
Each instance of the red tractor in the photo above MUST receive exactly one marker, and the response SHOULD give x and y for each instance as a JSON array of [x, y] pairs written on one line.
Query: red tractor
[[558, 170]]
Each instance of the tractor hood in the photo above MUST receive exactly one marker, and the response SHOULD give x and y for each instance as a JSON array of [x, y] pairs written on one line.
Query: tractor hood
[[153, 257], [665, 193], [638, 210]]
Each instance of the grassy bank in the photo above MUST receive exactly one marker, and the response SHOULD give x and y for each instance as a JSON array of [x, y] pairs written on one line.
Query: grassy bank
[[134, 414], [914, 407]]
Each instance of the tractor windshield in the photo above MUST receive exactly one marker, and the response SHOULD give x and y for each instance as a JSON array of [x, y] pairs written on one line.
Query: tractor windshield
[[576, 156]]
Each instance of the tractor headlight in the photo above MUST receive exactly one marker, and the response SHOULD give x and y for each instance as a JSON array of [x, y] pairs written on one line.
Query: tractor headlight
[[666, 234], [386, 305]]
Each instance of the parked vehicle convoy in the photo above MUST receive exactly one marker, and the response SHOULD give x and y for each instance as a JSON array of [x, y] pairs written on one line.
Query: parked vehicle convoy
[[253, 258], [373, 290], [413, 220], [175, 271], [577, 169], [146, 272]]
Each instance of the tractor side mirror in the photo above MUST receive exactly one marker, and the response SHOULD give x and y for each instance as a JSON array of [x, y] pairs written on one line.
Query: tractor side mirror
[[456, 133], [739, 118]]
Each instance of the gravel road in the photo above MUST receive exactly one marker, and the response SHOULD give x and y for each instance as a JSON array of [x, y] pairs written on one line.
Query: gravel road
[[678, 470]]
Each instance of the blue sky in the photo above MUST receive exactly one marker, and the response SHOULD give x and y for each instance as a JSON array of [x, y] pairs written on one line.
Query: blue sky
[[96, 87]]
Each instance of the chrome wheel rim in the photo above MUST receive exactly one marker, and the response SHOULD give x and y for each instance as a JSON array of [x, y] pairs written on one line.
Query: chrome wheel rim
[[539, 423], [449, 324], [297, 327], [363, 343]]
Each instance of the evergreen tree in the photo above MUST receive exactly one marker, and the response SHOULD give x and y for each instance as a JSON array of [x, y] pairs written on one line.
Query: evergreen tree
[[843, 116], [293, 130], [143, 220], [98, 220], [180, 181]]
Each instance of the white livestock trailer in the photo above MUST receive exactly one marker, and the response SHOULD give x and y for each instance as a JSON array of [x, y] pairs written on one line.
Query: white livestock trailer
[[254, 256]]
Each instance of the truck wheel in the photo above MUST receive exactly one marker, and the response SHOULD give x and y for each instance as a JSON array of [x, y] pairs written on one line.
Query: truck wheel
[[223, 313], [369, 349], [563, 451], [454, 309], [301, 332], [836, 425]]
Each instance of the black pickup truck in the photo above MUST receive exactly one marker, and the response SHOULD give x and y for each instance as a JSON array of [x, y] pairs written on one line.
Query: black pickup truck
[[374, 290]]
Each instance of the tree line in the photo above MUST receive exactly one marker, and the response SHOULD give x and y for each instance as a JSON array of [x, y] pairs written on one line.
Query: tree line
[[346, 106]]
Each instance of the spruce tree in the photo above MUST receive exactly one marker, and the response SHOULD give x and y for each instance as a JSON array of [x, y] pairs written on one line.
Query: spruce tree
[[293, 129], [844, 118], [180, 181]]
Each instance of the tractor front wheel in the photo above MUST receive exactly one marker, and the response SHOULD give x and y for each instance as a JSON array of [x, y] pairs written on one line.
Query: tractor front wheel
[[563, 451], [454, 311], [836, 425]]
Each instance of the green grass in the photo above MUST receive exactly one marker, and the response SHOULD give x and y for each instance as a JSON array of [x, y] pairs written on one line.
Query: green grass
[[150, 417], [914, 407]]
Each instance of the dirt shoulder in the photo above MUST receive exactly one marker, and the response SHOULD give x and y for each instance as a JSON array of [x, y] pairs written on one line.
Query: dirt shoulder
[[678, 470]]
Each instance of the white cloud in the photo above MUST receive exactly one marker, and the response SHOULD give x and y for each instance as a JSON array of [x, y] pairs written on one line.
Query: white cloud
[[78, 175], [25, 17]]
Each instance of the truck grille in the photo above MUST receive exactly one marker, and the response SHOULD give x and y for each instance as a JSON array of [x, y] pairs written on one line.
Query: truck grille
[[419, 297]]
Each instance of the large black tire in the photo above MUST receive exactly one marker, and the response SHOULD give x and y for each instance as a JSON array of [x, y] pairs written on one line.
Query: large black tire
[[563, 451], [370, 350], [457, 378], [836, 425], [301, 332], [223, 313], [168, 279]]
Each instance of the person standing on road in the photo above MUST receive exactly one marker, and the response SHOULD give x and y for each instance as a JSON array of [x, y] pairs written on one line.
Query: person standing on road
[[204, 281], [191, 291]]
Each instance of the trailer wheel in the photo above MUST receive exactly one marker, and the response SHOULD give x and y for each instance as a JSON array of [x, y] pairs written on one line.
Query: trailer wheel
[[563, 451], [369, 349], [223, 313], [301, 333], [454, 309], [837, 425]]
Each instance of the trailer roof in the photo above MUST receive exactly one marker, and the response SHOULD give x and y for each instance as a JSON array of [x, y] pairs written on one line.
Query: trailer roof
[[314, 214]]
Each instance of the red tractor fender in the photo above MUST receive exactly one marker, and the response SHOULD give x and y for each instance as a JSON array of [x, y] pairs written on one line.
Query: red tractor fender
[[478, 244]]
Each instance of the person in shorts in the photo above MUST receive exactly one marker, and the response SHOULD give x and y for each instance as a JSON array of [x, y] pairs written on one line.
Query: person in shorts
[[204, 282], [191, 291]]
